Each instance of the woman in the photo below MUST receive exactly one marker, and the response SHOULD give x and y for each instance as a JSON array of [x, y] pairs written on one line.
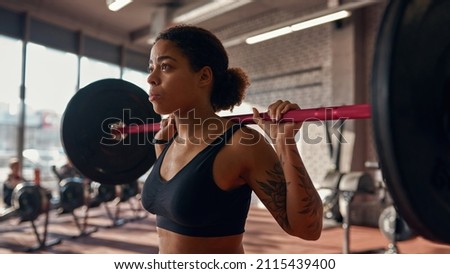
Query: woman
[[200, 186]]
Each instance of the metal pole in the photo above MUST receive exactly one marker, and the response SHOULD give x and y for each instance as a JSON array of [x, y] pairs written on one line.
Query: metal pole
[[348, 196], [22, 115], [122, 61], [80, 51]]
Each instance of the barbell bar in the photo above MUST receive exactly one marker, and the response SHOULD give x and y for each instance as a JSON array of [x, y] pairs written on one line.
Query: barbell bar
[[410, 111], [359, 111]]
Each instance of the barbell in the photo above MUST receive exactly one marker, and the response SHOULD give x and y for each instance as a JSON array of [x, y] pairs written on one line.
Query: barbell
[[362, 111], [410, 111]]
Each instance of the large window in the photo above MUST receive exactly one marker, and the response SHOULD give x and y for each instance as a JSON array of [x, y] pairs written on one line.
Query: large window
[[51, 81], [93, 70], [51, 78], [137, 77], [10, 70], [10, 78]]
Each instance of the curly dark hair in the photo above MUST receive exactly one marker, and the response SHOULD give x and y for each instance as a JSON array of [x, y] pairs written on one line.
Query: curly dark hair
[[203, 48]]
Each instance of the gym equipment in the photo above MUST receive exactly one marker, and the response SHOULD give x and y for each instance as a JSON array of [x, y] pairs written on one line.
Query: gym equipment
[[410, 88], [352, 183], [71, 197], [394, 228], [125, 193], [329, 194], [29, 201], [328, 188], [71, 194], [128, 193], [102, 193], [74, 194], [86, 138], [411, 112]]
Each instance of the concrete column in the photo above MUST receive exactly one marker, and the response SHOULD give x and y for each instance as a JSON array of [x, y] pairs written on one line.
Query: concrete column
[[348, 85]]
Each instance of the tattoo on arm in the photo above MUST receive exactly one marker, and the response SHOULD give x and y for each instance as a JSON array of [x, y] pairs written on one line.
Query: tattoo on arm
[[275, 189], [311, 200]]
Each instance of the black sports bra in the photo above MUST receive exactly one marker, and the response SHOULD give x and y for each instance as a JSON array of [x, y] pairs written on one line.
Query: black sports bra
[[191, 203]]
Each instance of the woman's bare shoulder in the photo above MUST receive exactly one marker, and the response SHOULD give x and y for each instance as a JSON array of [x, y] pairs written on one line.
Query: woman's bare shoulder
[[248, 137]]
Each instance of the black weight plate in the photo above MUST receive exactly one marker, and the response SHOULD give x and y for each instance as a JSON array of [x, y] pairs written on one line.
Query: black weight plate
[[410, 99], [87, 139]]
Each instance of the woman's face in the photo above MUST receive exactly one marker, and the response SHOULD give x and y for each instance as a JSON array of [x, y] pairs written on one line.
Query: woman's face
[[173, 83]]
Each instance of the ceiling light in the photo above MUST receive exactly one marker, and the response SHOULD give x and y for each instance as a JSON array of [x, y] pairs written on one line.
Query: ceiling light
[[209, 10], [268, 35], [298, 26], [115, 5], [321, 20]]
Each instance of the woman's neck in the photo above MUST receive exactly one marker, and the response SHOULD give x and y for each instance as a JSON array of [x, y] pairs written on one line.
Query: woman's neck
[[199, 125]]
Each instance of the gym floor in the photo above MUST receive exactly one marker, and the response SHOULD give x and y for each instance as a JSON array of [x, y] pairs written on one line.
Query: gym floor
[[132, 231]]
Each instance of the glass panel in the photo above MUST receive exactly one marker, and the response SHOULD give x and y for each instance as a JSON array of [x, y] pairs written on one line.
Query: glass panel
[[51, 80], [10, 77], [138, 78], [10, 70], [93, 70]]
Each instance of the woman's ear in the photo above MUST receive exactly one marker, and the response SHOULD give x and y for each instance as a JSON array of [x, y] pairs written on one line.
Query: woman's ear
[[206, 76]]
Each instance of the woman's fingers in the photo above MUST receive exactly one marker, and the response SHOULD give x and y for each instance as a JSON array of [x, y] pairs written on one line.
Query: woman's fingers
[[272, 110], [256, 116], [279, 108], [273, 128]]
